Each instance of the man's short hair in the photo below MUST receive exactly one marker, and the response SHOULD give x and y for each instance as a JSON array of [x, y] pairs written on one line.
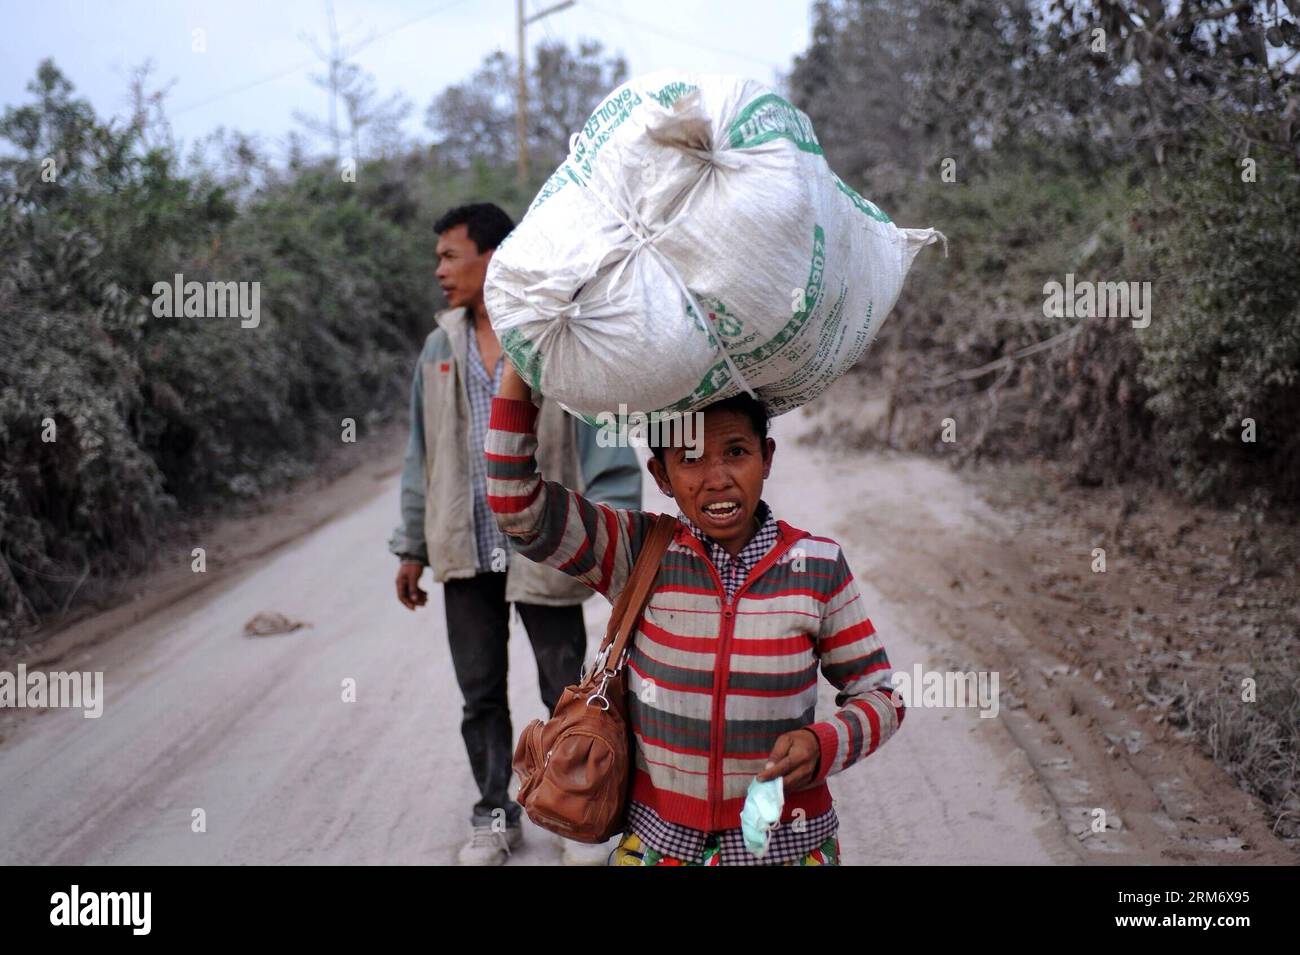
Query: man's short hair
[[750, 407], [486, 223]]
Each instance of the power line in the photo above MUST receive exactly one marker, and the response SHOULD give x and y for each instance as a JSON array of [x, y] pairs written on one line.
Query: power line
[[246, 86], [546, 26], [289, 71], [631, 45], [406, 23], [680, 37]]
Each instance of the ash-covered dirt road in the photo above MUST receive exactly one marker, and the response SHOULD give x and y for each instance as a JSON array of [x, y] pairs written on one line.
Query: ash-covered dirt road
[[255, 732]]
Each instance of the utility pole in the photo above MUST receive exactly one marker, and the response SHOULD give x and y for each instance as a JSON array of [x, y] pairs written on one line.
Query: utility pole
[[521, 96]]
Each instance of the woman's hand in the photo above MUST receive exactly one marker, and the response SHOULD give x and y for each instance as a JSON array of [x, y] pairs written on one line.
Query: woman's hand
[[796, 757], [512, 386]]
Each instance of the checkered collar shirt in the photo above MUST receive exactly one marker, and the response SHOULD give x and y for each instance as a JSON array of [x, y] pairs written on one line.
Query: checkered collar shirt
[[488, 536], [734, 570], [682, 842]]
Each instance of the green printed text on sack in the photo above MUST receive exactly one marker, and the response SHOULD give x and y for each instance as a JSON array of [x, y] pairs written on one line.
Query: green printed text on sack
[[771, 117]]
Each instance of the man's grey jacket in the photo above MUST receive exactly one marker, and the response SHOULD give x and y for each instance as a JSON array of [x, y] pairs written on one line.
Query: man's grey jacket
[[437, 501]]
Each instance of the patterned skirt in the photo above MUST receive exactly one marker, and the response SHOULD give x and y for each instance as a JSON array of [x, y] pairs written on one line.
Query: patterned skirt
[[632, 851]]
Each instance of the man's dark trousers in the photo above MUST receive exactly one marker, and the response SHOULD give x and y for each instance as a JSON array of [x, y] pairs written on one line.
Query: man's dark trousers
[[478, 626]]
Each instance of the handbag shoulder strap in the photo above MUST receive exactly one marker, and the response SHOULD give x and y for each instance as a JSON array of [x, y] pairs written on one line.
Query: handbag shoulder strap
[[631, 602]]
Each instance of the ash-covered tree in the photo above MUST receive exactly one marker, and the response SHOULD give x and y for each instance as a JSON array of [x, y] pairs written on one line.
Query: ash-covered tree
[[474, 121]]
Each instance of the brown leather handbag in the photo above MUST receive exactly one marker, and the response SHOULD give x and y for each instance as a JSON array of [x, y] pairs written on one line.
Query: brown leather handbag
[[574, 769]]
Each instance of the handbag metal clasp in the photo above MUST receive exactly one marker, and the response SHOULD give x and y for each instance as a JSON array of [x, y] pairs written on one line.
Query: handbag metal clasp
[[600, 694], [598, 662]]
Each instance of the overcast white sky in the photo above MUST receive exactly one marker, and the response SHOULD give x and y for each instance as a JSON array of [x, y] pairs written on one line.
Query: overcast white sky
[[256, 69]]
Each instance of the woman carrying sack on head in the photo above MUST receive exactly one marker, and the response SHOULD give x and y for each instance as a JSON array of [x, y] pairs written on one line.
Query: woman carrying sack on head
[[729, 764]]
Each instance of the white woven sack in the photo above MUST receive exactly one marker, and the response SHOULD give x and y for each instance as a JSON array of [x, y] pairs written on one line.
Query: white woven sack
[[694, 244]]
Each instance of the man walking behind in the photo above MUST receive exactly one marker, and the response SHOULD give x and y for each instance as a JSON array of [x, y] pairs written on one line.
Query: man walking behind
[[448, 525]]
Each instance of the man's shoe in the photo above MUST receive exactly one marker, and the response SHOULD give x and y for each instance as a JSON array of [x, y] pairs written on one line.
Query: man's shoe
[[515, 834], [490, 846]]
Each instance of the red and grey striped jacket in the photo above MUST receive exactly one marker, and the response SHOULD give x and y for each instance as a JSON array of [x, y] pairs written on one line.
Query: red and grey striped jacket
[[712, 682]]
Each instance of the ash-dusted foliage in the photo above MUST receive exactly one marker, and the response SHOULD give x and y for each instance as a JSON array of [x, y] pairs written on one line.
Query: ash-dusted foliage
[[1105, 141], [150, 416], [1225, 359]]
